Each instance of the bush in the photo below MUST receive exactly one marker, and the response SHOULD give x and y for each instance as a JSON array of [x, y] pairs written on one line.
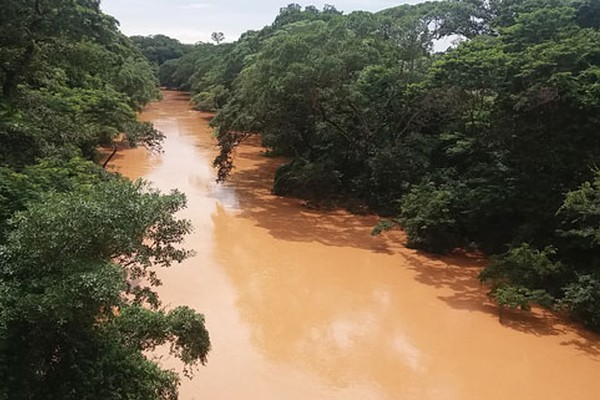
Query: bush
[[305, 179], [524, 275], [428, 217], [204, 101], [583, 299]]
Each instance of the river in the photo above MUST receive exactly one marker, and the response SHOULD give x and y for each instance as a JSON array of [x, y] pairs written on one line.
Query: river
[[305, 304]]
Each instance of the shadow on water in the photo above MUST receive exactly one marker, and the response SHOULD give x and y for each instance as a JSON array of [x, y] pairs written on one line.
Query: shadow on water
[[458, 276], [587, 343], [286, 218]]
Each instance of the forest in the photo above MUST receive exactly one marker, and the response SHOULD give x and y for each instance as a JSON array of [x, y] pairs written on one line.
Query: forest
[[491, 145], [78, 245]]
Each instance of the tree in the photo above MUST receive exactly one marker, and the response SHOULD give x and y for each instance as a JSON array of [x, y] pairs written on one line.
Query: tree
[[579, 238], [324, 92], [78, 245], [523, 276], [18, 189], [217, 37], [160, 48], [78, 308], [71, 80]]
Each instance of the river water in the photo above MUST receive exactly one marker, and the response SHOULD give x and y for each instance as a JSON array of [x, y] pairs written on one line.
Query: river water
[[305, 304]]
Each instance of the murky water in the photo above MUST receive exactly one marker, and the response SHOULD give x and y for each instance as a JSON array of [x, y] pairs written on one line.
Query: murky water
[[306, 305]]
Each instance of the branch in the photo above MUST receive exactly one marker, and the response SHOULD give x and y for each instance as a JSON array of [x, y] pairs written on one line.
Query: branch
[[334, 124]]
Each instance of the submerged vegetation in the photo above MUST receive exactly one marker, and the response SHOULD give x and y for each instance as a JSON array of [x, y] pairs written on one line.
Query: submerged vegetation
[[78, 245], [492, 144]]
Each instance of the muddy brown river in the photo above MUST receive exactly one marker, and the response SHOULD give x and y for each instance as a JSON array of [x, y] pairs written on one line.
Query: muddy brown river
[[304, 304]]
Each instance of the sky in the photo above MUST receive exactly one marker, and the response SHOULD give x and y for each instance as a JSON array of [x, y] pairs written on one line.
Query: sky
[[192, 21]]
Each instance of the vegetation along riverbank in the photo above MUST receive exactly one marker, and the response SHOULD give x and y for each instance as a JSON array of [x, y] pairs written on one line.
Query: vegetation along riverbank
[[78, 245]]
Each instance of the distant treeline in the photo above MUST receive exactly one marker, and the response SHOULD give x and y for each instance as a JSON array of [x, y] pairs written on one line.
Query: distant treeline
[[78, 244], [492, 145]]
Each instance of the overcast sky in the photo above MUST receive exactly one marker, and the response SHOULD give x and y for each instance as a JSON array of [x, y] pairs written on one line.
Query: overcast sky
[[192, 21]]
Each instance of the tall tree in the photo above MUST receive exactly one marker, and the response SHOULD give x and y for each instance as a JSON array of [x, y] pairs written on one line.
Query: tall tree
[[217, 37]]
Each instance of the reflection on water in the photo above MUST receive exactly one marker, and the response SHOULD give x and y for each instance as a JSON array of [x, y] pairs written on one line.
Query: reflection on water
[[304, 304]]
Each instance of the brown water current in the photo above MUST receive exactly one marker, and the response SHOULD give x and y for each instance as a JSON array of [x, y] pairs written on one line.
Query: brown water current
[[305, 304]]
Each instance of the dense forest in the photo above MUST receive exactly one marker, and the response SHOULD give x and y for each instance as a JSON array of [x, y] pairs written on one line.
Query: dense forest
[[78, 245], [491, 145]]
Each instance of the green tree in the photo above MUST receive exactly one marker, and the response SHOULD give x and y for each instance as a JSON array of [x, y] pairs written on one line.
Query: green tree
[[78, 308], [523, 276], [579, 238], [339, 96], [78, 246], [159, 49], [70, 80]]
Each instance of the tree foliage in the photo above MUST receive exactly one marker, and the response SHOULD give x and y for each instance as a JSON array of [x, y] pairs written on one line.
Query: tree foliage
[[76, 278], [159, 49], [79, 247], [70, 80]]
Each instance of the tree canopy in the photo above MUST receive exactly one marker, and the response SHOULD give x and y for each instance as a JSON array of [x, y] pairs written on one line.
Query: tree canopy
[[80, 247], [159, 49]]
